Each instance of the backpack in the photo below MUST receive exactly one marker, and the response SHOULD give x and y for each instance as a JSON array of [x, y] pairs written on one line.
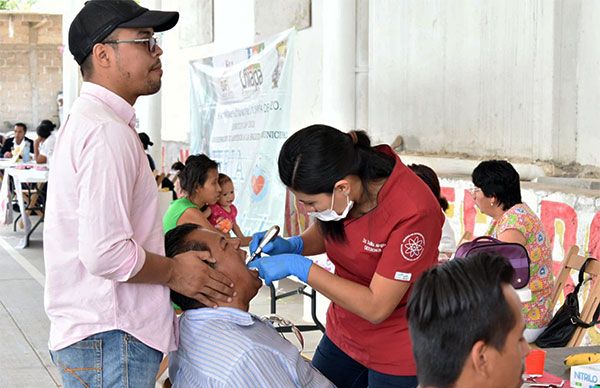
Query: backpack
[[515, 253]]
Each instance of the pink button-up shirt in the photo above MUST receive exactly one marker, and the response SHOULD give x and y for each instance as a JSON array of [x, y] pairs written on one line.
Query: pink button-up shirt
[[101, 217]]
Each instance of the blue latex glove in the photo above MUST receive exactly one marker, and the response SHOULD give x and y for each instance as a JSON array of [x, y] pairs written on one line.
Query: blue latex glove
[[281, 266], [279, 245]]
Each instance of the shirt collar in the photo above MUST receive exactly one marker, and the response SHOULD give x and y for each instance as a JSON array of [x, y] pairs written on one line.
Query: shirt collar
[[115, 102], [237, 316]]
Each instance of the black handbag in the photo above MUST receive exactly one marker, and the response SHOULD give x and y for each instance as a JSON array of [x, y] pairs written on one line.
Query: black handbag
[[562, 326]]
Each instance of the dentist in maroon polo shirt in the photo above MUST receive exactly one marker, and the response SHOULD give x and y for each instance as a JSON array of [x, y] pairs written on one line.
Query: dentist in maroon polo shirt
[[380, 225]]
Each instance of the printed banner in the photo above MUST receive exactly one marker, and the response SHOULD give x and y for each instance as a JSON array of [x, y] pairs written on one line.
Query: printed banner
[[240, 117]]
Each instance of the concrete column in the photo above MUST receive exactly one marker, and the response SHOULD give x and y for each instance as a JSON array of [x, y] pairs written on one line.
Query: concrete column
[[587, 86], [567, 37], [149, 110], [362, 65], [71, 74], [339, 58], [33, 76]]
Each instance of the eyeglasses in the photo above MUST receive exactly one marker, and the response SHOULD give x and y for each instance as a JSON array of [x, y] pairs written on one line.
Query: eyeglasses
[[283, 325], [151, 42], [474, 190]]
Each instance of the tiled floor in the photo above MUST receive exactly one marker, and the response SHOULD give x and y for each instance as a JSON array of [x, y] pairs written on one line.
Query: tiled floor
[[24, 358]]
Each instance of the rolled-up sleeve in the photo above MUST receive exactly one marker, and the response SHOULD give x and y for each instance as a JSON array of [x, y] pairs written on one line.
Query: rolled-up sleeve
[[106, 177], [412, 247]]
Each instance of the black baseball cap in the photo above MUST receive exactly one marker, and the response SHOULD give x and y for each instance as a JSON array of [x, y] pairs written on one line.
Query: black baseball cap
[[98, 18], [145, 139]]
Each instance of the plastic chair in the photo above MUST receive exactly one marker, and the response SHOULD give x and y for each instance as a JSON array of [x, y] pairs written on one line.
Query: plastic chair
[[573, 262]]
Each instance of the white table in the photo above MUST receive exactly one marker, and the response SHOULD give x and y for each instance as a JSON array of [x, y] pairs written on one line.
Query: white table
[[24, 173], [6, 163]]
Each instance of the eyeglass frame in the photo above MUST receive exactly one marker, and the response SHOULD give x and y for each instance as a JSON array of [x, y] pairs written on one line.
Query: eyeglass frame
[[277, 321], [151, 42]]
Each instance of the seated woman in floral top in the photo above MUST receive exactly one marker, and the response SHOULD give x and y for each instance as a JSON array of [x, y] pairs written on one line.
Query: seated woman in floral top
[[497, 193]]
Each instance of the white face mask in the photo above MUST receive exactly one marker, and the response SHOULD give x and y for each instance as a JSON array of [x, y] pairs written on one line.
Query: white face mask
[[330, 214]]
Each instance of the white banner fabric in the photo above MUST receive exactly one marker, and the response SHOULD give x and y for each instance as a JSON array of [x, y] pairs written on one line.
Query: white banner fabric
[[240, 117]]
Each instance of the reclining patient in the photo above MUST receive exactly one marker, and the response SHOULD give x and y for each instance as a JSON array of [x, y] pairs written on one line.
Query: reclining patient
[[227, 346]]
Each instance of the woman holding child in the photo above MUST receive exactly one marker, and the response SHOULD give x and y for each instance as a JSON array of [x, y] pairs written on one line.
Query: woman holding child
[[497, 193], [199, 182], [380, 225]]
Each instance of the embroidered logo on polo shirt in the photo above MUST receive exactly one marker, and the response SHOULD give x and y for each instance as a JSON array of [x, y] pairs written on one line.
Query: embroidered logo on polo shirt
[[403, 276], [370, 246], [413, 246]]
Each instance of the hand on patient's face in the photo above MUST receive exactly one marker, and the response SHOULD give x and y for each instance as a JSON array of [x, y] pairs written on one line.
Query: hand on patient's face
[[192, 277], [230, 261]]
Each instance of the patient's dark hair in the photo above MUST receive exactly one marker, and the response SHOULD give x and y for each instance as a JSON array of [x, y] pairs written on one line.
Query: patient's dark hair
[[175, 243], [451, 307]]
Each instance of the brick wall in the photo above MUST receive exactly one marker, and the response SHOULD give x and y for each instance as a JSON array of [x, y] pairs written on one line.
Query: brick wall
[[30, 68]]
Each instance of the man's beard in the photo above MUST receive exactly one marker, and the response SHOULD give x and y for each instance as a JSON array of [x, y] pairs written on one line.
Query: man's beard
[[151, 87]]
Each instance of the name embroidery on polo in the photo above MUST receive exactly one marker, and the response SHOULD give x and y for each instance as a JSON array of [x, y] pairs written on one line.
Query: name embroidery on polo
[[370, 246], [412, 246]]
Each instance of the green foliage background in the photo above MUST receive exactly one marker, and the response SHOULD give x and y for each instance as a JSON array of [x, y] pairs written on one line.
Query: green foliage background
[[16, 5]]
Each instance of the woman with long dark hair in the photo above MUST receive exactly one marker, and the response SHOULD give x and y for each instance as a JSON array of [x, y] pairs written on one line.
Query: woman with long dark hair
[[380, 225]]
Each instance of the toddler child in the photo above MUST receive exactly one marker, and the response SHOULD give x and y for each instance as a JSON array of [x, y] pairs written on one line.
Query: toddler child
[[223, 213]]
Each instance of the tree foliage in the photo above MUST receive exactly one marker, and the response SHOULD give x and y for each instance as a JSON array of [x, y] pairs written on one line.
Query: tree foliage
[[16, 5]]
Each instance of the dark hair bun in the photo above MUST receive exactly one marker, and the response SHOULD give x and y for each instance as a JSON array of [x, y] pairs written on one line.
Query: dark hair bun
[[443, 203], [47, 124], [177, 166], [45, 128]]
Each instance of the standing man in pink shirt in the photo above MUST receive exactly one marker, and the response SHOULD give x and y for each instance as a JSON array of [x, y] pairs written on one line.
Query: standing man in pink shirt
[[107, 280]]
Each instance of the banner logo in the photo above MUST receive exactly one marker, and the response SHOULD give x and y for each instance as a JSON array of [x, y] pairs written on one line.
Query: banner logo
[[251, 76]]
